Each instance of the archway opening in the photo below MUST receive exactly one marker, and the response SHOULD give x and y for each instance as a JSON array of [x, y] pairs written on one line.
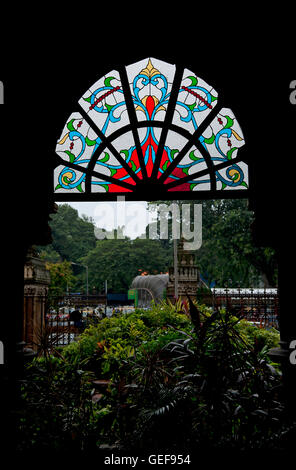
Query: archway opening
[[151, 131]]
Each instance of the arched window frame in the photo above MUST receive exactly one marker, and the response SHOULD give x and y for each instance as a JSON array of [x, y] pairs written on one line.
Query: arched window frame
[[155, 185]]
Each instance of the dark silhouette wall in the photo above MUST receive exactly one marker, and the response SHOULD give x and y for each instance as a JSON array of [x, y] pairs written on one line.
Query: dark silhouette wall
[[41, 91]]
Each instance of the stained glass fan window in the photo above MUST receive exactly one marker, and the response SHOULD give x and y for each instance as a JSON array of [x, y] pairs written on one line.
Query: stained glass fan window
[[150, 122]]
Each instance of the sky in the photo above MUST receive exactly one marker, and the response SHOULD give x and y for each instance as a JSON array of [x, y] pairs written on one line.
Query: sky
[[134, 216]]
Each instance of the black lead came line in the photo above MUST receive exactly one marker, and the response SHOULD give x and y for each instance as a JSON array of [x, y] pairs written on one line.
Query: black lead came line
[[198, 174], [132, 117], [168, 119], [192, 141], [94, 173], [108, 144]]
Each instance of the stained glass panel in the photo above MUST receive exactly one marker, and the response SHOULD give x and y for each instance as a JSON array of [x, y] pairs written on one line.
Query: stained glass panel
[[124, 134], [105, 104], [195, 101], [223, 137], [78, 141], [191, 162], [234, 176], [77, 145], [67, 179], [108, 165], [150, 83]]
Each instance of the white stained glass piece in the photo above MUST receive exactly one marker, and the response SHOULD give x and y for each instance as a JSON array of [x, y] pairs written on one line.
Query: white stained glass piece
[[195, 101], [66, 179], [201, 184], [223, 137], [233, 177], [104, 102], [77, 142], [151, 84], [98, 185]]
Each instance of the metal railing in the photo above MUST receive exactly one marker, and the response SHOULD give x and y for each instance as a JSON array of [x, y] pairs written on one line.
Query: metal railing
[[257, 305], [66, 318]]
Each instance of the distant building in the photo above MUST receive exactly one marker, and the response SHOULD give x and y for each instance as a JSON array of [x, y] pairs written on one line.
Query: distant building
[[160, 286], [188, 275], [150, 288]]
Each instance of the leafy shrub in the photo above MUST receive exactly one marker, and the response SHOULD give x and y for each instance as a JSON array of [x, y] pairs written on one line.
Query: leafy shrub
[[259, 337], [172, 367]]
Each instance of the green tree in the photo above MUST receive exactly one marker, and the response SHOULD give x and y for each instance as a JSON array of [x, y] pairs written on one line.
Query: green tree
[[119, 261], [228, 251], [61, 278], [72, 235]]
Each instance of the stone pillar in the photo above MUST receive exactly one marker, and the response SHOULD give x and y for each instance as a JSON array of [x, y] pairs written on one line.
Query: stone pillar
[[188, 275], [36, 282]]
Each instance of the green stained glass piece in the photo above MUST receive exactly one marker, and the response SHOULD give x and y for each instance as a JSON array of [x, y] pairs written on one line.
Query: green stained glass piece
[[229, 122], [125, 153], [88, 99], [108, 80], [210, 140], [230, 152], [193, 79], [105, 158], [70, 155], [70, 125], [173, 152], [109, 107], [193, 157], [89, 142], [244, 184], [165, 165]]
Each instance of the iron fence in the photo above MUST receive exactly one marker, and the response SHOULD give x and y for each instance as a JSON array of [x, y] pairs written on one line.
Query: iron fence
[[68, 316], [62, 319], [259, 306]]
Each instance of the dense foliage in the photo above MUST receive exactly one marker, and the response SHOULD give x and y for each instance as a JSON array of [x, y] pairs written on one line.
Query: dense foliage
[[163, 379], [61, 278], [228, 254], [120, 261]]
